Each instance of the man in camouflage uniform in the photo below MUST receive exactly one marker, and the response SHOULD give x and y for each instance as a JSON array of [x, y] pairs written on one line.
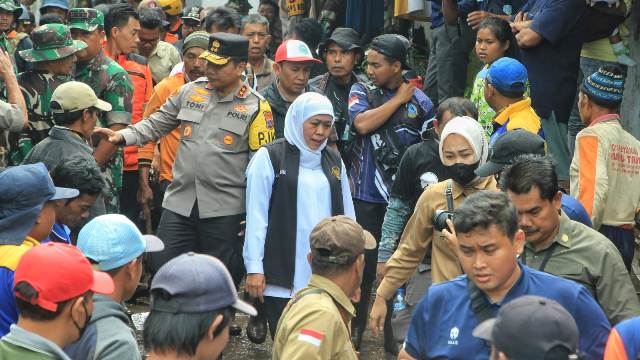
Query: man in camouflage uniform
[[12, 41], [53, 58], [112, 84]]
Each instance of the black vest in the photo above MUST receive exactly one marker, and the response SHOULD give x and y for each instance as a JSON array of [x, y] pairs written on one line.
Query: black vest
[[280, 242]]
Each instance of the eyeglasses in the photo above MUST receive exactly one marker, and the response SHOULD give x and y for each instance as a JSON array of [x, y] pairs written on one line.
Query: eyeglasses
[[260, 35]]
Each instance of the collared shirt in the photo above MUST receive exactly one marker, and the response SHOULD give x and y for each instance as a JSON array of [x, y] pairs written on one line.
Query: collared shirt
[[605, 172], [217, 136], [59, 146], [25, 345], [587, 257], [10, 256], [163, 58], [443, 321], [317, 325], [59, 233], [419, 236], [264, 78], [519, 115]]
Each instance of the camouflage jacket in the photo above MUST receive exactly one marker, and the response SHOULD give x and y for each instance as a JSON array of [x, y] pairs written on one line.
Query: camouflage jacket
[[112, 84], [37, 88]]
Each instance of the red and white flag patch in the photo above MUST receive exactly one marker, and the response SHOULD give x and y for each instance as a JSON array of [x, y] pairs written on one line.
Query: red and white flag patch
[[311, 336], [353, 100]]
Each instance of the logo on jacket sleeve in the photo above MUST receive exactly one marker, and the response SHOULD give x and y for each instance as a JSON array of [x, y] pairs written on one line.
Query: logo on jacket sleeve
[[453, 336]]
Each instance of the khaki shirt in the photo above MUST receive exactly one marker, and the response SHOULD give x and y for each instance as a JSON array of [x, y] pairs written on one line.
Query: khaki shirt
[[162, 60], [419, 235], [587, 257], [264, 78], [317, 325], [217, 136]]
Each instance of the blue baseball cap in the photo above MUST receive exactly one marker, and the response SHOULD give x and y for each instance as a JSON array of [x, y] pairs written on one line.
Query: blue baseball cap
[[508, 75], [196, 283], [62, 4], [23, 191], [113, 240]]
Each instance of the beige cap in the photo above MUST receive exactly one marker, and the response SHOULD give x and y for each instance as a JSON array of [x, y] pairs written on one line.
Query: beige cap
[[338, 239], [76, 96]]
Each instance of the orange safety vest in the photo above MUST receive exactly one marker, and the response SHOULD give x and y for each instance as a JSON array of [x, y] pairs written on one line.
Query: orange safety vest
[[173, 35], [140, 74]]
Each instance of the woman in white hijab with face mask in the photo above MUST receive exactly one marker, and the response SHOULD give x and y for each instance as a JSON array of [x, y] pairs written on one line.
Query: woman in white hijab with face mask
[[292, 184]]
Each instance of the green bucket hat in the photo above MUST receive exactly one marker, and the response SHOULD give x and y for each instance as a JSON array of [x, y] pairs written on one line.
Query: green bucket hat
[[51, 42], [9, 5], [85, 19]]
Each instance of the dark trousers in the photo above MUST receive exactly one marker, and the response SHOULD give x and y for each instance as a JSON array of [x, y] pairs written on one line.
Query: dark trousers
[[369, 216], [129, 206], [217, 236], [273, 308], [623, 239]]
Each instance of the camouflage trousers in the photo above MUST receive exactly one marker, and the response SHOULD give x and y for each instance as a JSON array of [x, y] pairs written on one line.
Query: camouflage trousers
[[112, 173]]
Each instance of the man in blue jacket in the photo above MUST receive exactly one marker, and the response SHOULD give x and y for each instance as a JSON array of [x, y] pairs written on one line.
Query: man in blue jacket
[[488, 242]]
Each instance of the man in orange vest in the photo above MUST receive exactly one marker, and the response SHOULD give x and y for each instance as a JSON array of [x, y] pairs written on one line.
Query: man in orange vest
[[121, 27]]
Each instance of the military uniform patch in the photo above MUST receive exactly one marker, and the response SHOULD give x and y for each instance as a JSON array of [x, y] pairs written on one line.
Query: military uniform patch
[[187, 130], [228, 140], [240, 108]]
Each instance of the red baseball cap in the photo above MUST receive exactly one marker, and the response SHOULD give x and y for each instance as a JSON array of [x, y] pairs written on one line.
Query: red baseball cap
[[59, 272], [295, 51]]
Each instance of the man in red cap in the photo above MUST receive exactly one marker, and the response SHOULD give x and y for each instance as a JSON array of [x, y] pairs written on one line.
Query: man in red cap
[[292, 68], [54, 287]]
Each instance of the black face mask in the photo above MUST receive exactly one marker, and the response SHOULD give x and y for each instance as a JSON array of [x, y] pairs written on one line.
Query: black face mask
[[82, 329], [463, 174]]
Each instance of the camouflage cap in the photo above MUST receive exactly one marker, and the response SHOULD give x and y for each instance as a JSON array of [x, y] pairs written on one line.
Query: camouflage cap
[[85, 19], [11, 6], [51, 42]]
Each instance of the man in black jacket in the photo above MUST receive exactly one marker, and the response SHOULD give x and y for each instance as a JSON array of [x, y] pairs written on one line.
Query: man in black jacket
[[341, 53]]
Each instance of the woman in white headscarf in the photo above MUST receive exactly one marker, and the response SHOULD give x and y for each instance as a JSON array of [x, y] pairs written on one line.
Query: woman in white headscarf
[[292, 184], [463, 148]]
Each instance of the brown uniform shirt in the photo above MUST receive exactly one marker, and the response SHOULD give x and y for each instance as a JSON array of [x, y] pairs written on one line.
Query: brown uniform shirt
[[419, 235]]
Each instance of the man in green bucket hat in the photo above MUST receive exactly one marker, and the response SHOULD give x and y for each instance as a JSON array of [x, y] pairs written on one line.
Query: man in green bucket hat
[[12, 41], [53, 60], [112, 84]]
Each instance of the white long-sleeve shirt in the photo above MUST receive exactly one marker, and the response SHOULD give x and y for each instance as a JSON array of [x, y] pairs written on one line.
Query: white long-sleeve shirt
[[313, 204]]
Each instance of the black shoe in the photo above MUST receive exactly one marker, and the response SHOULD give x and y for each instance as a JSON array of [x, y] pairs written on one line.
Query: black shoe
[[235, 330], [257, 326]]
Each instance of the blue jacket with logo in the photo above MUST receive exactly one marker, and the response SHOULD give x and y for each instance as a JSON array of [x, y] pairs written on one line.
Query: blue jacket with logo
[[443, 322]]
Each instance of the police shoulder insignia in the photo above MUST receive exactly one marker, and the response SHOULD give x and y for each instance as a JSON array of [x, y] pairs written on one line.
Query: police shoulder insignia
[[335, 170], [243, 92]]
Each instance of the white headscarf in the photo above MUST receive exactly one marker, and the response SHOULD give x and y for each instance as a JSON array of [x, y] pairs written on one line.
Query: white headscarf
[[472, 131], [304, 107]]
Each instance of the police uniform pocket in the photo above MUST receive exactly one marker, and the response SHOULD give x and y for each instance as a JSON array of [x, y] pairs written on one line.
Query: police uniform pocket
[[231, 134], [190, 123]]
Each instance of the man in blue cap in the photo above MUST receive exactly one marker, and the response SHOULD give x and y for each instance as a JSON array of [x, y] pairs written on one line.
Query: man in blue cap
[[195, 294], [57, 7], [27, 214], [115, 245], [504, 89]]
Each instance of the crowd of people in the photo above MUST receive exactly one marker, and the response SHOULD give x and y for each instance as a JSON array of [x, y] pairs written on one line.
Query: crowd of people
[[297, 156]]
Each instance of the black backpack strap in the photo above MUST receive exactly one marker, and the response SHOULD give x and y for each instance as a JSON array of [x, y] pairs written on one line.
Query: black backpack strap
[[479, 304]]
